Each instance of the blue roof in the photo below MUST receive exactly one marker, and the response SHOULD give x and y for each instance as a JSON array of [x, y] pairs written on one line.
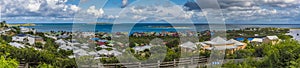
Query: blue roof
[[103, 40], [95, 39], [240, 39], [212, 33], [250, 39], [21, 35]]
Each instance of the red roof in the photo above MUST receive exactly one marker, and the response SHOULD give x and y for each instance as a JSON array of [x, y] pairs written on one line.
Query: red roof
[[101, 43]]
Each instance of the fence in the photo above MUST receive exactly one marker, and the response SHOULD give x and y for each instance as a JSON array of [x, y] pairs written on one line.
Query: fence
[[199, 61]]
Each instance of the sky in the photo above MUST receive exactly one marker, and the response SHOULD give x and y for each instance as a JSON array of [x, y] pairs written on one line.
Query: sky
[[68, 11]]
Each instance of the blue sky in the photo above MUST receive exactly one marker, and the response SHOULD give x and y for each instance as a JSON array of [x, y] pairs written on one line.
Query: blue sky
[[235, 11]]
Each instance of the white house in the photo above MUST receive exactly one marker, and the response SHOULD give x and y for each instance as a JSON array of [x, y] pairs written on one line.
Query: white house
[[19, 38], [188, 46], [102, 52], [4, 31], [24, 30], [80, 52], [107, 53], [53, 37], [219, 43], [87, 34], [27, 39], [61, 42], [15, 44], [141, 48], [271, 39]]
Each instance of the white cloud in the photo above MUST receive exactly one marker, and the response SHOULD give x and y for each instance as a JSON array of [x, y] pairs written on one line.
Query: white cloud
[[279, 3], [74, 8], [96, 12], [37, 8]]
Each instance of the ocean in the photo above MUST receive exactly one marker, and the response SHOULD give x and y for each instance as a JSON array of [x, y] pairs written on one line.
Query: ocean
[[47, 27]]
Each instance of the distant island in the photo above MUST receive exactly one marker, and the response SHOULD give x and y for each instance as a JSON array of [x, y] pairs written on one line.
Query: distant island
[[99, 23], [27, 24]]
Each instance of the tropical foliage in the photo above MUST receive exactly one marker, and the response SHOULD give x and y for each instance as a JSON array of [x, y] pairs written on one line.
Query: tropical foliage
[[283, 55], [8, 62]]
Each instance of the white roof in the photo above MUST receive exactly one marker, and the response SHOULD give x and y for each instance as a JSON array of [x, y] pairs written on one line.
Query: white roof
[[114, 52], [217, 40], [272, 37], [60, 41], [257, 40], [18, 45], [64, 47], [103, 46], [84, 47], [82, 54], [189, 45], [142, 48], [85, 44], [92, 53], [201, 43], [237, 43], [79, 51], [72, 56], [103, 52], [223, 47]]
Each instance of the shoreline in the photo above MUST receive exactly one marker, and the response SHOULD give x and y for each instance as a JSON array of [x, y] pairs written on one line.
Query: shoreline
[[24, 25]]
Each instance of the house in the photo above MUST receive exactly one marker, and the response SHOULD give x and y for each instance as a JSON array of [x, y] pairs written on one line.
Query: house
[[141, 48], [188, 46], [104, 52], [49, 36], [15, 44], [101, 43], [24, 30], [80, 52], [271, 40], [257, 41], [114, 53], [103, 46], [238, 44], [65, 47], [87, 34], [63, 36], [3, 32], [35, 39], [219, 43], [27, 39], [73, 42], [19, 38], [60, 42]]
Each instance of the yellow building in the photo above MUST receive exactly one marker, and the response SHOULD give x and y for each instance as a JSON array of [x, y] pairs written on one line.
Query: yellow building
[[271, 40]]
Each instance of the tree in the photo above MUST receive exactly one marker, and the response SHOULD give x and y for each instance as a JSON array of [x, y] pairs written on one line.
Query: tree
[[39, 45], [283, 55], [44, 65], [8, 62]]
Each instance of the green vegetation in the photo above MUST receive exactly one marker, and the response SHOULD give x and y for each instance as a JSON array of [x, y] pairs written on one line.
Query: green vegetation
[[45, 66], [30, 56], [283, 55], [251, 32], [3, 24], [8, 62]]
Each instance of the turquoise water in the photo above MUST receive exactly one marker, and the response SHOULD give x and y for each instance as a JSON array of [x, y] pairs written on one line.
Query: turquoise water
[[42, 27]]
